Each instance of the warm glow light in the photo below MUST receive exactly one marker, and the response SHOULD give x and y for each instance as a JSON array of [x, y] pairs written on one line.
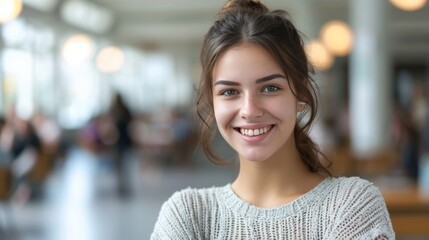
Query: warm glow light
[[77, 49], [318, 55], [409, 5], [9, 9], [110, 59], [337, 37]]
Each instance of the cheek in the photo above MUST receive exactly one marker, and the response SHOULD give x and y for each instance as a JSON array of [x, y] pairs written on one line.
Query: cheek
[[286, 113], [224, 113], [221, 114]]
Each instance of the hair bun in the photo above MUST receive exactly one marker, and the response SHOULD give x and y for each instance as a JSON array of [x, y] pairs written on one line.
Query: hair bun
[[232, 6]]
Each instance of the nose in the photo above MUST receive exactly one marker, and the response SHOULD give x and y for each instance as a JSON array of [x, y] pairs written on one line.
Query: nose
[[251, 107]]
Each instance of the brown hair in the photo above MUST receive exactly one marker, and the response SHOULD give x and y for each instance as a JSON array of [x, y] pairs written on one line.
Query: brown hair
[[249, 21]]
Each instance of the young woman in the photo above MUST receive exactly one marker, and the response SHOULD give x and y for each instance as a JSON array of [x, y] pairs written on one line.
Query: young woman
[[256, 87]]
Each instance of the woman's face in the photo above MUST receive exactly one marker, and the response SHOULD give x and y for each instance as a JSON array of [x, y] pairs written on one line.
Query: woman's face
[[254, 107]]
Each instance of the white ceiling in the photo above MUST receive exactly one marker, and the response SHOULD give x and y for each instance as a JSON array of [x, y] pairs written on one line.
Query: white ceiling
[[164, 21], [184, 22]]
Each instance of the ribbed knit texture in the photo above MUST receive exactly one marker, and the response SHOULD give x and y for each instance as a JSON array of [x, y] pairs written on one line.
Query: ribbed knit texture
[[338, 208]]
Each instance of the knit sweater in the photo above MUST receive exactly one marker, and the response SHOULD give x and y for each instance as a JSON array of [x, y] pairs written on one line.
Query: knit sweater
[[337, 208]]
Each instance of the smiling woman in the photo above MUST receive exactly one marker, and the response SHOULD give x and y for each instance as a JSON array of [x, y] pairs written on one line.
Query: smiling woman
[[256, 98], [255, 81]]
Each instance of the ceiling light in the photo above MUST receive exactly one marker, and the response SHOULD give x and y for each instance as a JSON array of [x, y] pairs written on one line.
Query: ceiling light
[[337, 36], [110, 59], [9, 10], [318, 55], [409, 5], [77, 49]]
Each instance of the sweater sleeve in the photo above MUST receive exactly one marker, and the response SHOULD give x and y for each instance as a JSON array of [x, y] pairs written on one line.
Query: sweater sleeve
[[363, 214], [173, 220]]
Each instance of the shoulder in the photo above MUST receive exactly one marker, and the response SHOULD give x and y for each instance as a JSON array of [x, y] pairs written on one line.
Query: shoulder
[[351, 182], [352, 187], [359, 209], [355, 193]]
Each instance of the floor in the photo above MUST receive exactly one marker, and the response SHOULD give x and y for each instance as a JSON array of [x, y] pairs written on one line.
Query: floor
[[81, 199]]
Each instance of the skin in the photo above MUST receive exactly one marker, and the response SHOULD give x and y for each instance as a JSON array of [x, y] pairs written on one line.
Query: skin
[[255, 111]]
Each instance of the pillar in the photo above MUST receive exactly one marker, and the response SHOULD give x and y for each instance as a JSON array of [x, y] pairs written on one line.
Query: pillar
[[370, 83]]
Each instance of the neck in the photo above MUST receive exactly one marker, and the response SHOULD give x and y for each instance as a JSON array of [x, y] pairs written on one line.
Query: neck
[[274, 181]]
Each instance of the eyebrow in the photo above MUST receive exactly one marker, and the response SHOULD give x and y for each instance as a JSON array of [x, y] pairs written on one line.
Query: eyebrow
[[269, 77], [259, 80]]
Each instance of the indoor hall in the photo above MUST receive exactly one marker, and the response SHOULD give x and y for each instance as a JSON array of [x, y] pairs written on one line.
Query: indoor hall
[[100, 95], [81, 199]]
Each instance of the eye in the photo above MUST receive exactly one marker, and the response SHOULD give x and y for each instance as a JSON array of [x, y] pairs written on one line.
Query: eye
[[270, 88], [229, 92]]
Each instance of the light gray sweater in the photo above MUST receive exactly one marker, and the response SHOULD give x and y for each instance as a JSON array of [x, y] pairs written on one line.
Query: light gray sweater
[[337, 208]]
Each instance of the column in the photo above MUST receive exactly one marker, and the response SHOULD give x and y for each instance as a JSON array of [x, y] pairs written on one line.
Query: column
[[370, 83]]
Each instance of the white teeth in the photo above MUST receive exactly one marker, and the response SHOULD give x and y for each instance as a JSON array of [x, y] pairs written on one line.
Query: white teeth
[[254, 132]]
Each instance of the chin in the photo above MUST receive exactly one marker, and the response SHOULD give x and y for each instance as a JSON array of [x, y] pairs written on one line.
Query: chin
[[254, 157]]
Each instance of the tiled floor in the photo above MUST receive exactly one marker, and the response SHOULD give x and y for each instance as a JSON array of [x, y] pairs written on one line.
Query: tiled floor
[[81, 201]]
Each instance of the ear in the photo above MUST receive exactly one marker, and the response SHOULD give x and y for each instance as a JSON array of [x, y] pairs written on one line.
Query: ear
[[300, 106]]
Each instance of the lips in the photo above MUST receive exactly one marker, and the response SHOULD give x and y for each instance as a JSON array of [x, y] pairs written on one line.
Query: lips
[[255, 131]]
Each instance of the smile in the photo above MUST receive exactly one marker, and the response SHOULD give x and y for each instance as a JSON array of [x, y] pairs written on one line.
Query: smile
[[255, 132]]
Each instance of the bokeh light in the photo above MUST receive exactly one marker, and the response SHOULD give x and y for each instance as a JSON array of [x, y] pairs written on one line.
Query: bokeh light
[[110, 59], [9, 10], [337, 36], [409, 5], [318, 55], [77, 49]]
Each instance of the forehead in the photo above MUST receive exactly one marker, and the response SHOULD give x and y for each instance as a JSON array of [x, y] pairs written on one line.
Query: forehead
[[245, 60]]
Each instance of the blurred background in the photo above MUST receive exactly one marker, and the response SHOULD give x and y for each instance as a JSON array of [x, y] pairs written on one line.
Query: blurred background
[[96, 121]]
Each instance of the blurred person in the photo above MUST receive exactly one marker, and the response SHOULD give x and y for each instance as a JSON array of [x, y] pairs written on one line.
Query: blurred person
[[49, 134], [410, 147], [90, 137], [408, 127], [5, 171], [5, 156], [121, 118], [6, 185], [48, 131], [425, 134], [255, 80], [419, 105], [19, 138], [424, 158]]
